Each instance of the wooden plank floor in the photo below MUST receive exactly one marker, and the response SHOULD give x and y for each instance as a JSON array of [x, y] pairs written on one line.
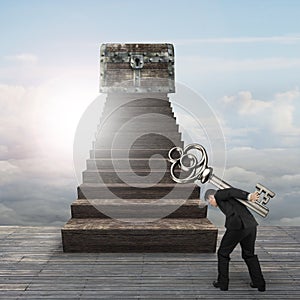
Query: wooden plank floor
[[33, 266]]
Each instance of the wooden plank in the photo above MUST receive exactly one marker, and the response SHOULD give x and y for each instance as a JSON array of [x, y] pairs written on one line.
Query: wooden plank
[[190, 208], [165, 235]]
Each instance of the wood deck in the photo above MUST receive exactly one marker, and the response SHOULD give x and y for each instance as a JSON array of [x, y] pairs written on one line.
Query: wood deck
[[33, 266]]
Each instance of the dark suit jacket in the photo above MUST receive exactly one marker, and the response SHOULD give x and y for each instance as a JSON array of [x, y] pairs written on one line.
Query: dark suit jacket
[[237, 214]]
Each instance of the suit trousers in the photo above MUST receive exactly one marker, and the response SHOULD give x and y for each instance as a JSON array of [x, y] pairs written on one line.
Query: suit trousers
[[246, 237]]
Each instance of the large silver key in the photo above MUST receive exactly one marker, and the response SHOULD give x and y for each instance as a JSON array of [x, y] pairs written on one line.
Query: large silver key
[[196, 169]]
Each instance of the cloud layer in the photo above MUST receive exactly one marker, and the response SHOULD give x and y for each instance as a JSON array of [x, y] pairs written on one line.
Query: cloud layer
[[37, 125], [270, 123], [38, 183], [263, 146], [22, 58], [287, 39]]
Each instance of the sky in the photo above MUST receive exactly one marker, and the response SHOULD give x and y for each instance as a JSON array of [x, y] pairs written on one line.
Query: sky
[[243, 57]]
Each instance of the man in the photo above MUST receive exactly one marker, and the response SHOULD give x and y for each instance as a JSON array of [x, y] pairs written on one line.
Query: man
[[240, 228]]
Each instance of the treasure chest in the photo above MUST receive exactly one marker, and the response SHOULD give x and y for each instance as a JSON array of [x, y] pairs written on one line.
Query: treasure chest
[[137, 68]]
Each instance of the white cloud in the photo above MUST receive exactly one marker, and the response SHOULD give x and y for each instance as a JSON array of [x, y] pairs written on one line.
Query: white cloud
[[247, 105], [18, 118], [23, 58], [3, 151], [270, 163], [36, 191], [290, 221], [8, 216], [42, 118], [8, 172], [291, 180], [288, 39], [288, 95], [273, 119], [190, 64], [241, 174], [283, 112], [37, 126]]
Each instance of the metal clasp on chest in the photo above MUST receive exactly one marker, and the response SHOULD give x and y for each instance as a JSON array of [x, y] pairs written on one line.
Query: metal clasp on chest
[[136, 63]]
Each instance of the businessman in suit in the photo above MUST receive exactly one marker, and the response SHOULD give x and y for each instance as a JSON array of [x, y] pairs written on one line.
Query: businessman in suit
[[240, 228]]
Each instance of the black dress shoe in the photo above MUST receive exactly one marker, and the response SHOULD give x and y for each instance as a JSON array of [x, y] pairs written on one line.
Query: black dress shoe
[[222, 287], [261, 288]]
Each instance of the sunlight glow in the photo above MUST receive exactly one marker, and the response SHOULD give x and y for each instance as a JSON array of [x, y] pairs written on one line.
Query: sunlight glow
[[62, 102]]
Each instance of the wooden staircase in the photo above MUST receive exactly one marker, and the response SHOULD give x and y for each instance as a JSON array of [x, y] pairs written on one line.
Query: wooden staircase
[[185, 228]]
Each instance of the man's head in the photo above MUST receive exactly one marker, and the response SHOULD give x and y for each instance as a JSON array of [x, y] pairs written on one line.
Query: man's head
[[210, 197]]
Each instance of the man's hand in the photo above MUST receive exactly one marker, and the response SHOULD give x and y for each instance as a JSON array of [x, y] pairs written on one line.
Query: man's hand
[[254, 196]]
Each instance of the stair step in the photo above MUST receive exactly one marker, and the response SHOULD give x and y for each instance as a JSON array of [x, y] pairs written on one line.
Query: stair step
[[142, 119], [135, 126], [145, 137], [124, 137], [113, 116], [141, 108], [134, 102], [125, 163], [139, 146], [164, 235], [123, 153], [125, 191], [136, 110], [111, 176], [138, 208], [140, 143]]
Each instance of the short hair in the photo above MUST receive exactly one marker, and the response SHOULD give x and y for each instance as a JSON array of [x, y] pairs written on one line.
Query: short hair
[[208, 193]]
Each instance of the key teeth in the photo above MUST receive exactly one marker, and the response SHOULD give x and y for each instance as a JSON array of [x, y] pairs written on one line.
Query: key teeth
[[261, 188]]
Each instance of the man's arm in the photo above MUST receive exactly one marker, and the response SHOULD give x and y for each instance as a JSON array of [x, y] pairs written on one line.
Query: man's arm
[[225, 194]]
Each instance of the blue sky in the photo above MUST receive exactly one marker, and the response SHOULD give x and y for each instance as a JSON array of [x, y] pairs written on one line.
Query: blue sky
[[242, 56]]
